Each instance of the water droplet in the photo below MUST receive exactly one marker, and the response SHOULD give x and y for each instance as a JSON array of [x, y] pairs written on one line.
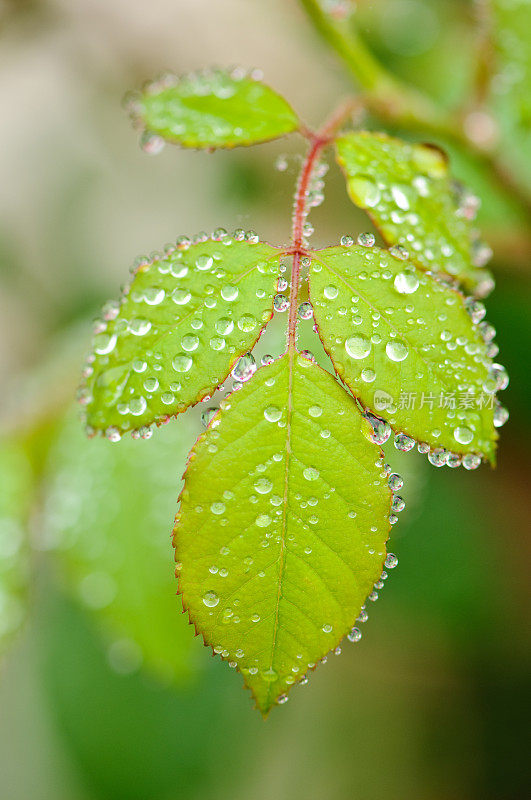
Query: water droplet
[[151, 384], [358, 347], [244, 368], [396, 350], [263, 485], [398, 504], [463, 435], [366, 190], [391, 561], [217, 508], [224, 326], [438, 457], [280, 302], [247, 323], [368, 375], [346, 241], [210, 599], [154, 295], [305, 311], [399, 252], [181, 296], [395, 481], [406, 282], [208, 415], [204, 262], [151, 143], [366, 239], [354, 635], [381, 430], [404, 443], [401, 195], [327, 628], [272, 413], [190, 342], [497, 379], [471, 461], [501, 415], [311, 474], [182, 363], [263, 520], [229, 293], [475, 309], [104, 343], [137, 405], [331, 292]]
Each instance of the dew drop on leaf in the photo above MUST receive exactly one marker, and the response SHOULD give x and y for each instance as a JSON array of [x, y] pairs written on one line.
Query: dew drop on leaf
[[396, 350], [210, 599], [358, 347], [406, 282]]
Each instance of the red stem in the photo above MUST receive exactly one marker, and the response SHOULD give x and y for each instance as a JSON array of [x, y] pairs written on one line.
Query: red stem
[[318, 141]]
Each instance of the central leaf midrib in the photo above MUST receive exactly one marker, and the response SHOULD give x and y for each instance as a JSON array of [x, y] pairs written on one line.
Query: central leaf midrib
[[282, 557]]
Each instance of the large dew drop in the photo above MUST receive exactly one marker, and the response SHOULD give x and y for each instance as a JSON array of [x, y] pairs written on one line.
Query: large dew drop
[[244, 368], [366, 191], [358, 347], [463, 435], [210, 599], [396, 351], [406, 283]]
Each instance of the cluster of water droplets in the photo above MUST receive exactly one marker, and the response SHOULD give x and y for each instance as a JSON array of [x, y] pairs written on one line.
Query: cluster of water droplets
[[482, 348], [313, 197], [218, 83], [214, 324], [439, 245]]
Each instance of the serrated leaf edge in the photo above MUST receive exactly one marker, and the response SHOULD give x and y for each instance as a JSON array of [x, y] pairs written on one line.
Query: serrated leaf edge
[[185, 607]]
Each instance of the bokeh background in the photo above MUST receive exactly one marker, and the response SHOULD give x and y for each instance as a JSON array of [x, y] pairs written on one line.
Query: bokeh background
[[104, 691]]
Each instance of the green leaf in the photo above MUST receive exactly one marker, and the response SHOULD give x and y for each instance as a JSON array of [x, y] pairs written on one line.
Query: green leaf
[[16, 497], [408, 193], [211, 109], [106, 516], [510, 97], [282, 528], [404, 342], [180, 326]]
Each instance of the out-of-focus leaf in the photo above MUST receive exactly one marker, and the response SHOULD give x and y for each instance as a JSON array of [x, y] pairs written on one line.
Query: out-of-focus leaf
[[277, 547], [407, 191], [407, 347], [210, 109], [16, 496], [108, 512], [180, 326], [511, 86]]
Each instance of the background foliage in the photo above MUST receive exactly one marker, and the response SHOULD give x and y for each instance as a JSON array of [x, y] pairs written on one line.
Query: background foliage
[[433, 701]]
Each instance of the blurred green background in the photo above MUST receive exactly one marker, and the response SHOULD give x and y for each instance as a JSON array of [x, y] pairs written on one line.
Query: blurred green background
[[105, 694]]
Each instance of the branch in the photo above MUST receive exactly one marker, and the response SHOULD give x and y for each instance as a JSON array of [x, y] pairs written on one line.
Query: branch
[[392, 100]]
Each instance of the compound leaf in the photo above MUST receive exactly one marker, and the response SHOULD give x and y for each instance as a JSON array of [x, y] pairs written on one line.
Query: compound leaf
[[283, 522], [407, 191], [210, 109], [406, 345], [181, 324]]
